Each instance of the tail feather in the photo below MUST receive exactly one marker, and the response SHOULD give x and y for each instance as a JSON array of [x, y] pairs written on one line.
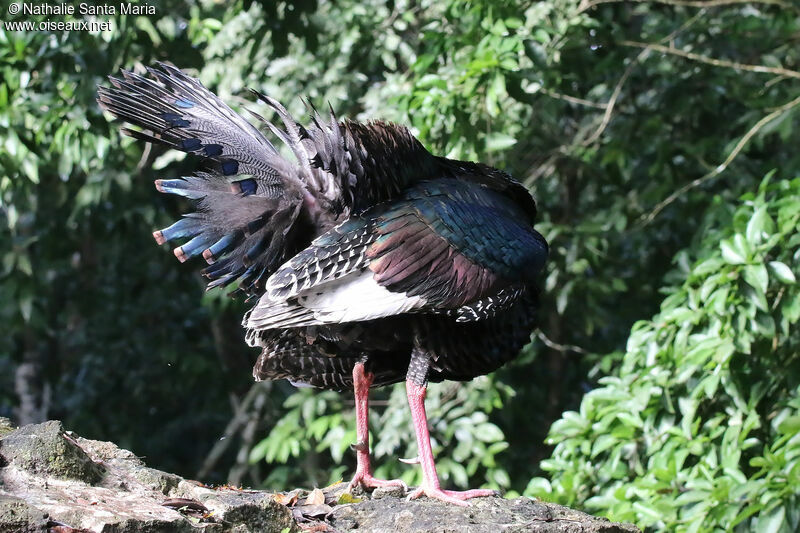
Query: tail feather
[[194, 247], [182, 229], [291, 137], [247, 202], [250, 198]]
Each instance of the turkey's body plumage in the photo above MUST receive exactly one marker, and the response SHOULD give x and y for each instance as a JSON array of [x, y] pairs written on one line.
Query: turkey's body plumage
[[441, 260], [324, 356], [371, 260]]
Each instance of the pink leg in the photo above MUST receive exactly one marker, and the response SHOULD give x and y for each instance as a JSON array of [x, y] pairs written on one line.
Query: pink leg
[[430, 480], [361, 383]]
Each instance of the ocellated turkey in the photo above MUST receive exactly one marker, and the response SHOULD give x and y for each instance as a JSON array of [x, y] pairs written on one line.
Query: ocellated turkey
[[370, 260]]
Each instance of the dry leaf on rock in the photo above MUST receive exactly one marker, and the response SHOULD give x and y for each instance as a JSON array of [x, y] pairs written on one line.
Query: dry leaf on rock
[[288, 499], [315, 497], [186, 506]]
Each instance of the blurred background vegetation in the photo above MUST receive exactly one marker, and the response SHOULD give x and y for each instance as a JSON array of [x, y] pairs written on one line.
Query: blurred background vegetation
[[660, 139]]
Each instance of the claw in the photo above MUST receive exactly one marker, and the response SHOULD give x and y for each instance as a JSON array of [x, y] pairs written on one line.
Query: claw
[[412, 461]]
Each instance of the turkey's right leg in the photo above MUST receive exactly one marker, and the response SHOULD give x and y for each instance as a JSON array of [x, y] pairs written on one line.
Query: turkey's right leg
[[416, 386], [362, 380]]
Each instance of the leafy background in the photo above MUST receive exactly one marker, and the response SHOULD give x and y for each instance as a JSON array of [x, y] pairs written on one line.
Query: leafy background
[[660, 140]]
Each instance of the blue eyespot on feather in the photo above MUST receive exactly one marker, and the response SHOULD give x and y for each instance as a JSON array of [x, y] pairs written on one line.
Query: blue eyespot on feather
[[254, 251], [181, 187], [184, 103], [230, 167], [190, 144], [175, 120], [193, 247], [255, 225], [244, 187], [212, 150]]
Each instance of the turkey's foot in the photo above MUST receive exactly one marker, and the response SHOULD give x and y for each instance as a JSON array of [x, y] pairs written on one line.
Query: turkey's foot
[[367, 481], [456, 497]]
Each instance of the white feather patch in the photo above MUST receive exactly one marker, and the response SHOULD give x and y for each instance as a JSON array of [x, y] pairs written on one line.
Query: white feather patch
[[356, 297], [351, 298]]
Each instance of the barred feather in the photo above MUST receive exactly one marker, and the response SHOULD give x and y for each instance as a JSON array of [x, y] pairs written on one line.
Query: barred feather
[[340, 251]]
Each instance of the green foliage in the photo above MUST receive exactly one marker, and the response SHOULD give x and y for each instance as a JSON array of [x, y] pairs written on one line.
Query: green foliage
[[636, 155], [82, 287], [698, 428]]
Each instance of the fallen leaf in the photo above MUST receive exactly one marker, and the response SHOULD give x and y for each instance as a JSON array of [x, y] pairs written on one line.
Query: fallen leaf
[[315, 497], [313, 511], [287, 499], [348, 498], [185, 505]]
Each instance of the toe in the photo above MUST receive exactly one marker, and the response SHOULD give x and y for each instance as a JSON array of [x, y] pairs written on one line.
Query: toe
[[469, 494], [369, 482], [449, 496]]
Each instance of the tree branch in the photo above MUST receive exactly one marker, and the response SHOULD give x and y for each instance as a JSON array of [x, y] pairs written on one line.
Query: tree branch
[[647, 219], [573, 99], [589, 4], [240, 418], [613, 100], [615, 95], [712, 61], [549, 164], [559, 347]]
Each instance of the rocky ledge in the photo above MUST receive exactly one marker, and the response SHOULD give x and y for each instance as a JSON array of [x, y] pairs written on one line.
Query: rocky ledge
[[54, 481]]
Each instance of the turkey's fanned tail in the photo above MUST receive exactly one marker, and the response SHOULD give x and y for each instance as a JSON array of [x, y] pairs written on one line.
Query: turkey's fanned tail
[[248, 201]]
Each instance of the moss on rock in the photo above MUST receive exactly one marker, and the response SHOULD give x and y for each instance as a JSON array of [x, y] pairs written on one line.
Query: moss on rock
[[6, 426], [17, 516], [45, 449]]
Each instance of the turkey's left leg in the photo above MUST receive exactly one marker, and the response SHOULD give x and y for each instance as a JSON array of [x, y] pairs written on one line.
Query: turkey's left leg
[[362, 380]]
